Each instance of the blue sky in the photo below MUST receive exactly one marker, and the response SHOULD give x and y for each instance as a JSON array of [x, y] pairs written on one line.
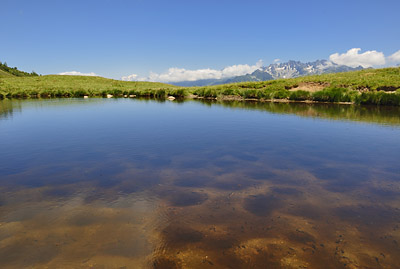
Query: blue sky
[[119, 38]]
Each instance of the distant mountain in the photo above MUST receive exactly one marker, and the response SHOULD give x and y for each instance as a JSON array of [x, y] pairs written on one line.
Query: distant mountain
[[294, 69], [200, 82], [289, 69]]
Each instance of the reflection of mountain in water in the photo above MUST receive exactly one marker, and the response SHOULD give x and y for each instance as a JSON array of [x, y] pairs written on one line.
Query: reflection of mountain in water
[[7, 108]]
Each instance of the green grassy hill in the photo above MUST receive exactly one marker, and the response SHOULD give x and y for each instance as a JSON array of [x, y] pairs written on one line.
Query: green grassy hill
[[386, 79], [76, 86], [14, 71], [4, 74], [370, 86]]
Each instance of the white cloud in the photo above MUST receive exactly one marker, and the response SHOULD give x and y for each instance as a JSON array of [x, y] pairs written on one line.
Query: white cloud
[[353, 58], [180, 74], [395, 57], [132, 77], [76, 73], [277, 60]]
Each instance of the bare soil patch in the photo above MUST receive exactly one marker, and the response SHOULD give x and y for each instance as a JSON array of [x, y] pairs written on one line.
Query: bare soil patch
[[310, 87]]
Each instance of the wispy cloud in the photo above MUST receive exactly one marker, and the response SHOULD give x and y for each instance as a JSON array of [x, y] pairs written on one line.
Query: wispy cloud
[[180, 74], [395, 57], [132, 77], [76, 73], [353, 58]]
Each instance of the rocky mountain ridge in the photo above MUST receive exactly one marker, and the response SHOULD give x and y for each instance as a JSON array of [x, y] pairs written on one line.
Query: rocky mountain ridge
[[290, 69]]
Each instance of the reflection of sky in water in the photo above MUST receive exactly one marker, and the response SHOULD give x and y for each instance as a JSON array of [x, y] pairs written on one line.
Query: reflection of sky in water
[[184, 177]]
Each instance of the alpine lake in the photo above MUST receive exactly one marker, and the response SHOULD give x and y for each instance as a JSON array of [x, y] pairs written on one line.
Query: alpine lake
[[131, 183]]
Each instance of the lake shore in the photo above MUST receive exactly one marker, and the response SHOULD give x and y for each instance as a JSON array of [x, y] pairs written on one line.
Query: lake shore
[[369, 86]]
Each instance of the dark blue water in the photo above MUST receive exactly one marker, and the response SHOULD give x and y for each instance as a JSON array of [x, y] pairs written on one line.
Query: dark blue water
[[138, 183]]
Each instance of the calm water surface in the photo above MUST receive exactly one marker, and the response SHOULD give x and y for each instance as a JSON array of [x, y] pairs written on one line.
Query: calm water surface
[[118, 183]]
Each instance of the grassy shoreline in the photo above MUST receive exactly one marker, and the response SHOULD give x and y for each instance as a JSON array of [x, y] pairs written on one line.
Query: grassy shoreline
[[370, 86]]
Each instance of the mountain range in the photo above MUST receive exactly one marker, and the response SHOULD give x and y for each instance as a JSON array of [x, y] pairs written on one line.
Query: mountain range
[[290, 69]]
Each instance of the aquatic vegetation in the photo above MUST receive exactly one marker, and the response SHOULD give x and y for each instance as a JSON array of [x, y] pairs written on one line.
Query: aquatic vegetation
[[299, 95], [281, 94], [379, 98], [334, 94], [178, 93], [251, 93], [206, 92]]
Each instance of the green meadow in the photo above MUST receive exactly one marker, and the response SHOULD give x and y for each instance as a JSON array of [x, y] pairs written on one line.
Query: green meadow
[[369, 86]]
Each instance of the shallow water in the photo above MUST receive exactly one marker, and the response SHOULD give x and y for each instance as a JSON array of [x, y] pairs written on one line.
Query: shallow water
[[125, 183]]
